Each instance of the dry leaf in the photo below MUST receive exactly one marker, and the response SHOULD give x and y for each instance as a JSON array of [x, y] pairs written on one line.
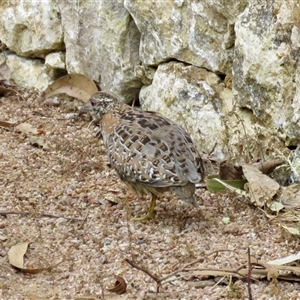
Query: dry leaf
[[6, 124], [16, 259], [39, 142], [266, 167], [292, 230], [16, 255], [261, 187], [120, 286], [74, 85], [290, 196], [35, 297], [114, 297], [26, 128], [275, 206], [232, 186], [285, 260]]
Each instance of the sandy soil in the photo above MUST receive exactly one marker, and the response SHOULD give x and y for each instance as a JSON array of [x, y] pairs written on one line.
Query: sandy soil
[[88, 234]]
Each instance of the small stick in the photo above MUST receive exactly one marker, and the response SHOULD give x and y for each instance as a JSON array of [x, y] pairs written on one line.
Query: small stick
[[26, 213], [249, 275], [156, 279], [191, 263], [181, 269], [83, 221]]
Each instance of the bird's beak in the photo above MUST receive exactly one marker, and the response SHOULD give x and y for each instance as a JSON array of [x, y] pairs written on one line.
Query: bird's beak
[[86, 108]]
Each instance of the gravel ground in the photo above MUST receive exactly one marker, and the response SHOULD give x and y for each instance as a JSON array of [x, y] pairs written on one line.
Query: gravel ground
[[88, 234]]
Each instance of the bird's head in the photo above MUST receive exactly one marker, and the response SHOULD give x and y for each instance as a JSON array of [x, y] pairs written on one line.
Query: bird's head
[[99, 104]]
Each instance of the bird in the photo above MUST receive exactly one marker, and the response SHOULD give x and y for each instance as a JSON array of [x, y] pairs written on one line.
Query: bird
[[150, 153]]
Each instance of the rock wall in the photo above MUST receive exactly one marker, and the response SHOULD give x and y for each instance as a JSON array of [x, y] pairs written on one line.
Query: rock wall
[[228, 71]]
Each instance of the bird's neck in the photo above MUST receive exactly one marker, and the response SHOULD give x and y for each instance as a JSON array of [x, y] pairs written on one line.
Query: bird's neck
[[112, 119]]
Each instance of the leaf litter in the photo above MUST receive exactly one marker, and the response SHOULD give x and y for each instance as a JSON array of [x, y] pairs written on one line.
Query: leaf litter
[[182, 246]]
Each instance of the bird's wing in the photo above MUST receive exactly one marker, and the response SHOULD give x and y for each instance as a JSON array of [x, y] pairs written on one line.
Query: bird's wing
[[148, 148]]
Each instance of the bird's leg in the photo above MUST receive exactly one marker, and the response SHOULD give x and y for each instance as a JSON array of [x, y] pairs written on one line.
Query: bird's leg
[[151, 213]]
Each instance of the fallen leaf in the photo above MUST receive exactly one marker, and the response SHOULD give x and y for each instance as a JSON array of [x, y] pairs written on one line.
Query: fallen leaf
[[120, 285], [290, 196], [285, 260], [226, 220], [275, 206], [292, 230], [35, 297], [16, 258], [26, 128], [30, 266], [74, 85], [114, 297], [16, 255], [5, 124], [215, 184], [266, 167], [261, 187], [39, 142]]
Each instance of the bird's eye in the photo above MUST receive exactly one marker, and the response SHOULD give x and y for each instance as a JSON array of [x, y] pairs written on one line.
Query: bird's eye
[[93, 102]]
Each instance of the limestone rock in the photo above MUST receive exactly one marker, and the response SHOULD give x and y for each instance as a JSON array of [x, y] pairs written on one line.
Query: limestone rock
[[102, 42], [27, 72], [201, 103], [186, 95], [266, 65], [197, 32], [31, 28], [56, 60]]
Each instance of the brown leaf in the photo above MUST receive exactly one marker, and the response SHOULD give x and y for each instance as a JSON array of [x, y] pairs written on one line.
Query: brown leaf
[[86, 298], [261, 187], [16, 258], [120, 285], [33, 271], [39, 142], [290, 196], [74, 85], [266, 167], [6, 124], [16, 255], [26, 128], [35, 297], [286, 260]]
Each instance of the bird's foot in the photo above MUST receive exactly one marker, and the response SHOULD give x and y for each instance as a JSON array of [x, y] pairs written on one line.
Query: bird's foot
[[148, 216]]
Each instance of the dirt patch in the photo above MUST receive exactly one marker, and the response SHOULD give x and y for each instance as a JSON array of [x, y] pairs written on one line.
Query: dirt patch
[[89, 234]]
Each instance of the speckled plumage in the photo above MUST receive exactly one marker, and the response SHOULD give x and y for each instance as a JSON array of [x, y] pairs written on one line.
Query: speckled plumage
[[149, 152]]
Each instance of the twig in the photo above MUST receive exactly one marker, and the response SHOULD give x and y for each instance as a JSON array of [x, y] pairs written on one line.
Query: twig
[[16, 92], [26, 213], [20, 122], [249, 275], [222, 278], [83, 221], [181, 269], [156, 279], [191, 263]]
